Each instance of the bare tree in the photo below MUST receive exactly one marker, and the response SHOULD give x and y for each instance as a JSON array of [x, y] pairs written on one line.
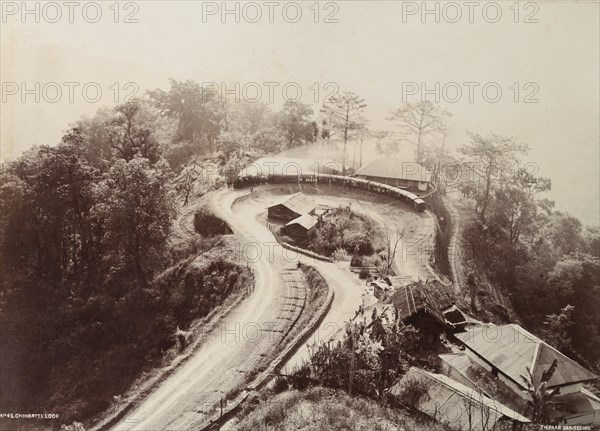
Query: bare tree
[[391, 239], [345, 111], [191, 175], [362, 134], [419, 121]]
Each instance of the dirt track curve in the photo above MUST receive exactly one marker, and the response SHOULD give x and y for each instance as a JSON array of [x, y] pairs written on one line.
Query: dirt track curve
[[250, 333]]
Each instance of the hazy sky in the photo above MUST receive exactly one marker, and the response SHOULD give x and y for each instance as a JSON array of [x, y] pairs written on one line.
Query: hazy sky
[[374, 49]]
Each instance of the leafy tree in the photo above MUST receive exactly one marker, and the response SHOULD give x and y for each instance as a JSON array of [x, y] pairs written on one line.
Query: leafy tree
[[94, 131], [312, 132], [558, 328], [51, 188], [269, 140], [542, 399], [325, 130], [178, 154], [137, 207], [529, 183], [565, 233], [293, 122], [131, 129], [250, 118], [592, 240], [197, 110], [129, 135], [229, 143], [513, 211]]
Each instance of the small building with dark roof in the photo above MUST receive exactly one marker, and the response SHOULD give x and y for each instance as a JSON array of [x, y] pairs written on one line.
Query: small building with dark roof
[[301, 227], [292, 208], [405, 175], [422, 305]]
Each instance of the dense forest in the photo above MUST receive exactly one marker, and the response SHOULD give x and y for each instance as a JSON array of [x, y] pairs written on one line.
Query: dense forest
[[92, 291]]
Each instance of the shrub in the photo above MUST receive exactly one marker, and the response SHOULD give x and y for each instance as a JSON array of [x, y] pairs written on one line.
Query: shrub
[[340, 254], [356, 261], [280, 384], [501, 312], [341, 228], [365, 247], [301, 378], [412, 392], [363, 274], [207, 224], [75, 426]]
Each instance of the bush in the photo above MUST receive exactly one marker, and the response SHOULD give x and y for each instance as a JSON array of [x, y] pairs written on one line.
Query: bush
[[207, 224], [356, 261], [365, 247], [75, 426], [280, 384], [341, 228], [412, 392], [363, 274], [340, 254], [501, 312], [301, 378]]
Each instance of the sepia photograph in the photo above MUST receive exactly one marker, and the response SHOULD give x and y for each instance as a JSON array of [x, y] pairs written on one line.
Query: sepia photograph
[[354, 215]]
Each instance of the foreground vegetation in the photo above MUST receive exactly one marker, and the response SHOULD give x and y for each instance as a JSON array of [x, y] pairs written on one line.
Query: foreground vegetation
[[321, 409], [544, 261], [368, 360], [92, 294]]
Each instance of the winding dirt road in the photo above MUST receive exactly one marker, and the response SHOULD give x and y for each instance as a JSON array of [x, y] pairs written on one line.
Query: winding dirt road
[[251, 333], [411, 260], [232, 353]]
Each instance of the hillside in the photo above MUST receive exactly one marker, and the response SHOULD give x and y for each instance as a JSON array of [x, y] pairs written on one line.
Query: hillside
[[320, 408]]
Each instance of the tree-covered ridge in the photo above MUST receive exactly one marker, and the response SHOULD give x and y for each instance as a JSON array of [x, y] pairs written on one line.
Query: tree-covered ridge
[[91, 290], [545, 261]]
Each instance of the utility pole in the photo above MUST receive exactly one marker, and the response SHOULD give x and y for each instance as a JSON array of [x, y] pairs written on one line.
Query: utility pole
[[352, 360], [439, 170], [361, 148]]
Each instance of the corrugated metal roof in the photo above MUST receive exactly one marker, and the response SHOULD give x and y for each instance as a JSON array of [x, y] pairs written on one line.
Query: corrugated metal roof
[[298, 202], [432, 297], [511, 349], [386, 167], [459, 361], [442, 389], [307, 221]]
